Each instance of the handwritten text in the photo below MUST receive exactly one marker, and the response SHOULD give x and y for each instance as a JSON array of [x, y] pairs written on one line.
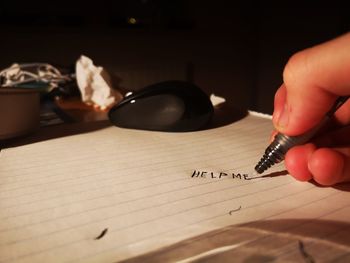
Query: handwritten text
[[219, 175]]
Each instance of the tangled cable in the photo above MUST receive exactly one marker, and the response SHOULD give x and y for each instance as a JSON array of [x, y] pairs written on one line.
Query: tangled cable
[[19, 74]]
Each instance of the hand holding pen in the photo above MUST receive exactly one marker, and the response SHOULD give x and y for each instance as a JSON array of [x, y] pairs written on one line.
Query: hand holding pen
[[314, 79]]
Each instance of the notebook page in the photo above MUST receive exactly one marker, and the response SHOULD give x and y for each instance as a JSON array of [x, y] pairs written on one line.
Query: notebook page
[[115, 194]]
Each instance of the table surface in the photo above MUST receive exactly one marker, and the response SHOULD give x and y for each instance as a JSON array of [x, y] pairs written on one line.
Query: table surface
[[74, 117], [77, 117]]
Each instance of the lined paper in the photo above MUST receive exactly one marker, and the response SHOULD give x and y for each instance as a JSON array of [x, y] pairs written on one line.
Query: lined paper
[[57, 196]]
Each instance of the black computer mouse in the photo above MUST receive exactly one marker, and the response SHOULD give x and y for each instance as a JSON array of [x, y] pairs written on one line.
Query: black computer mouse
[[173, 106]]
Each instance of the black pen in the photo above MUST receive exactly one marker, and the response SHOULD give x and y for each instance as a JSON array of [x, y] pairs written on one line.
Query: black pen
[[276, 151]]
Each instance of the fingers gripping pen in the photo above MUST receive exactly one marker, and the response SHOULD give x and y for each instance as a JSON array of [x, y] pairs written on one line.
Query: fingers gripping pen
[[276, 151]]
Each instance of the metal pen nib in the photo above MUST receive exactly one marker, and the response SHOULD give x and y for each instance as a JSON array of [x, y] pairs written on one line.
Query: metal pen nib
[[276, 151]]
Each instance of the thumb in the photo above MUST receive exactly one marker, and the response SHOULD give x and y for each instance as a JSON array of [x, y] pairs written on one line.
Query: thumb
[[313, 79]]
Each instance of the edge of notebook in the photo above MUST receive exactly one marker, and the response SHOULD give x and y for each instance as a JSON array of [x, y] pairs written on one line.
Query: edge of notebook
[[260, 114]]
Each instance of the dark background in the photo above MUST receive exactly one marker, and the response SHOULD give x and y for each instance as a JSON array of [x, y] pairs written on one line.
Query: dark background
[[236, 49]]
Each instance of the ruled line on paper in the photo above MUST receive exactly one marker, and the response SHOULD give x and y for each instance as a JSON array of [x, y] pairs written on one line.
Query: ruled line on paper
[[203, 155], [121, 192], [39, 161], [40, 156], [135, 199], [38, 224], [112, 157], [143, 209], [96, 174], [123, 202], [116, 179], [222, 215], [139, 188], [197, 222], [187, 210], [144, 178], [209, 191]]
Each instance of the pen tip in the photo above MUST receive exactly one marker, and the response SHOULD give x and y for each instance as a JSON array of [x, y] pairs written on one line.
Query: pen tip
[[253, 175]]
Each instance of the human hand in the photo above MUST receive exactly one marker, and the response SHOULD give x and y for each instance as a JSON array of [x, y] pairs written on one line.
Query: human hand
[[313, 79]]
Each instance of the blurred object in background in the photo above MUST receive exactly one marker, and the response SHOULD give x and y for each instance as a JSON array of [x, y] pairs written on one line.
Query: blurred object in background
[[237, 48], [95, 85], [40, 76], [19, 111]]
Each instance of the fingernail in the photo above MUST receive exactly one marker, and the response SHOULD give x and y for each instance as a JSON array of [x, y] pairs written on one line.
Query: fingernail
[[283, 117]]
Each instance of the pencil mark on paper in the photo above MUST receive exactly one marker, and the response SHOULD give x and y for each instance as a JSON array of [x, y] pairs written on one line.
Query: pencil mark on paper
[[307, 257], [103, 233], [274, 174], [218, 175], [235, 210]]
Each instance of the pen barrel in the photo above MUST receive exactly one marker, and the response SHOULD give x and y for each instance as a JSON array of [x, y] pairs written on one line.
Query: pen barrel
[[277, 150]]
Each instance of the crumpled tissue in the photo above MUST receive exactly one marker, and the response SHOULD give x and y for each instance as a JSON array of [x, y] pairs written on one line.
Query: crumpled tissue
[[95, 84]]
